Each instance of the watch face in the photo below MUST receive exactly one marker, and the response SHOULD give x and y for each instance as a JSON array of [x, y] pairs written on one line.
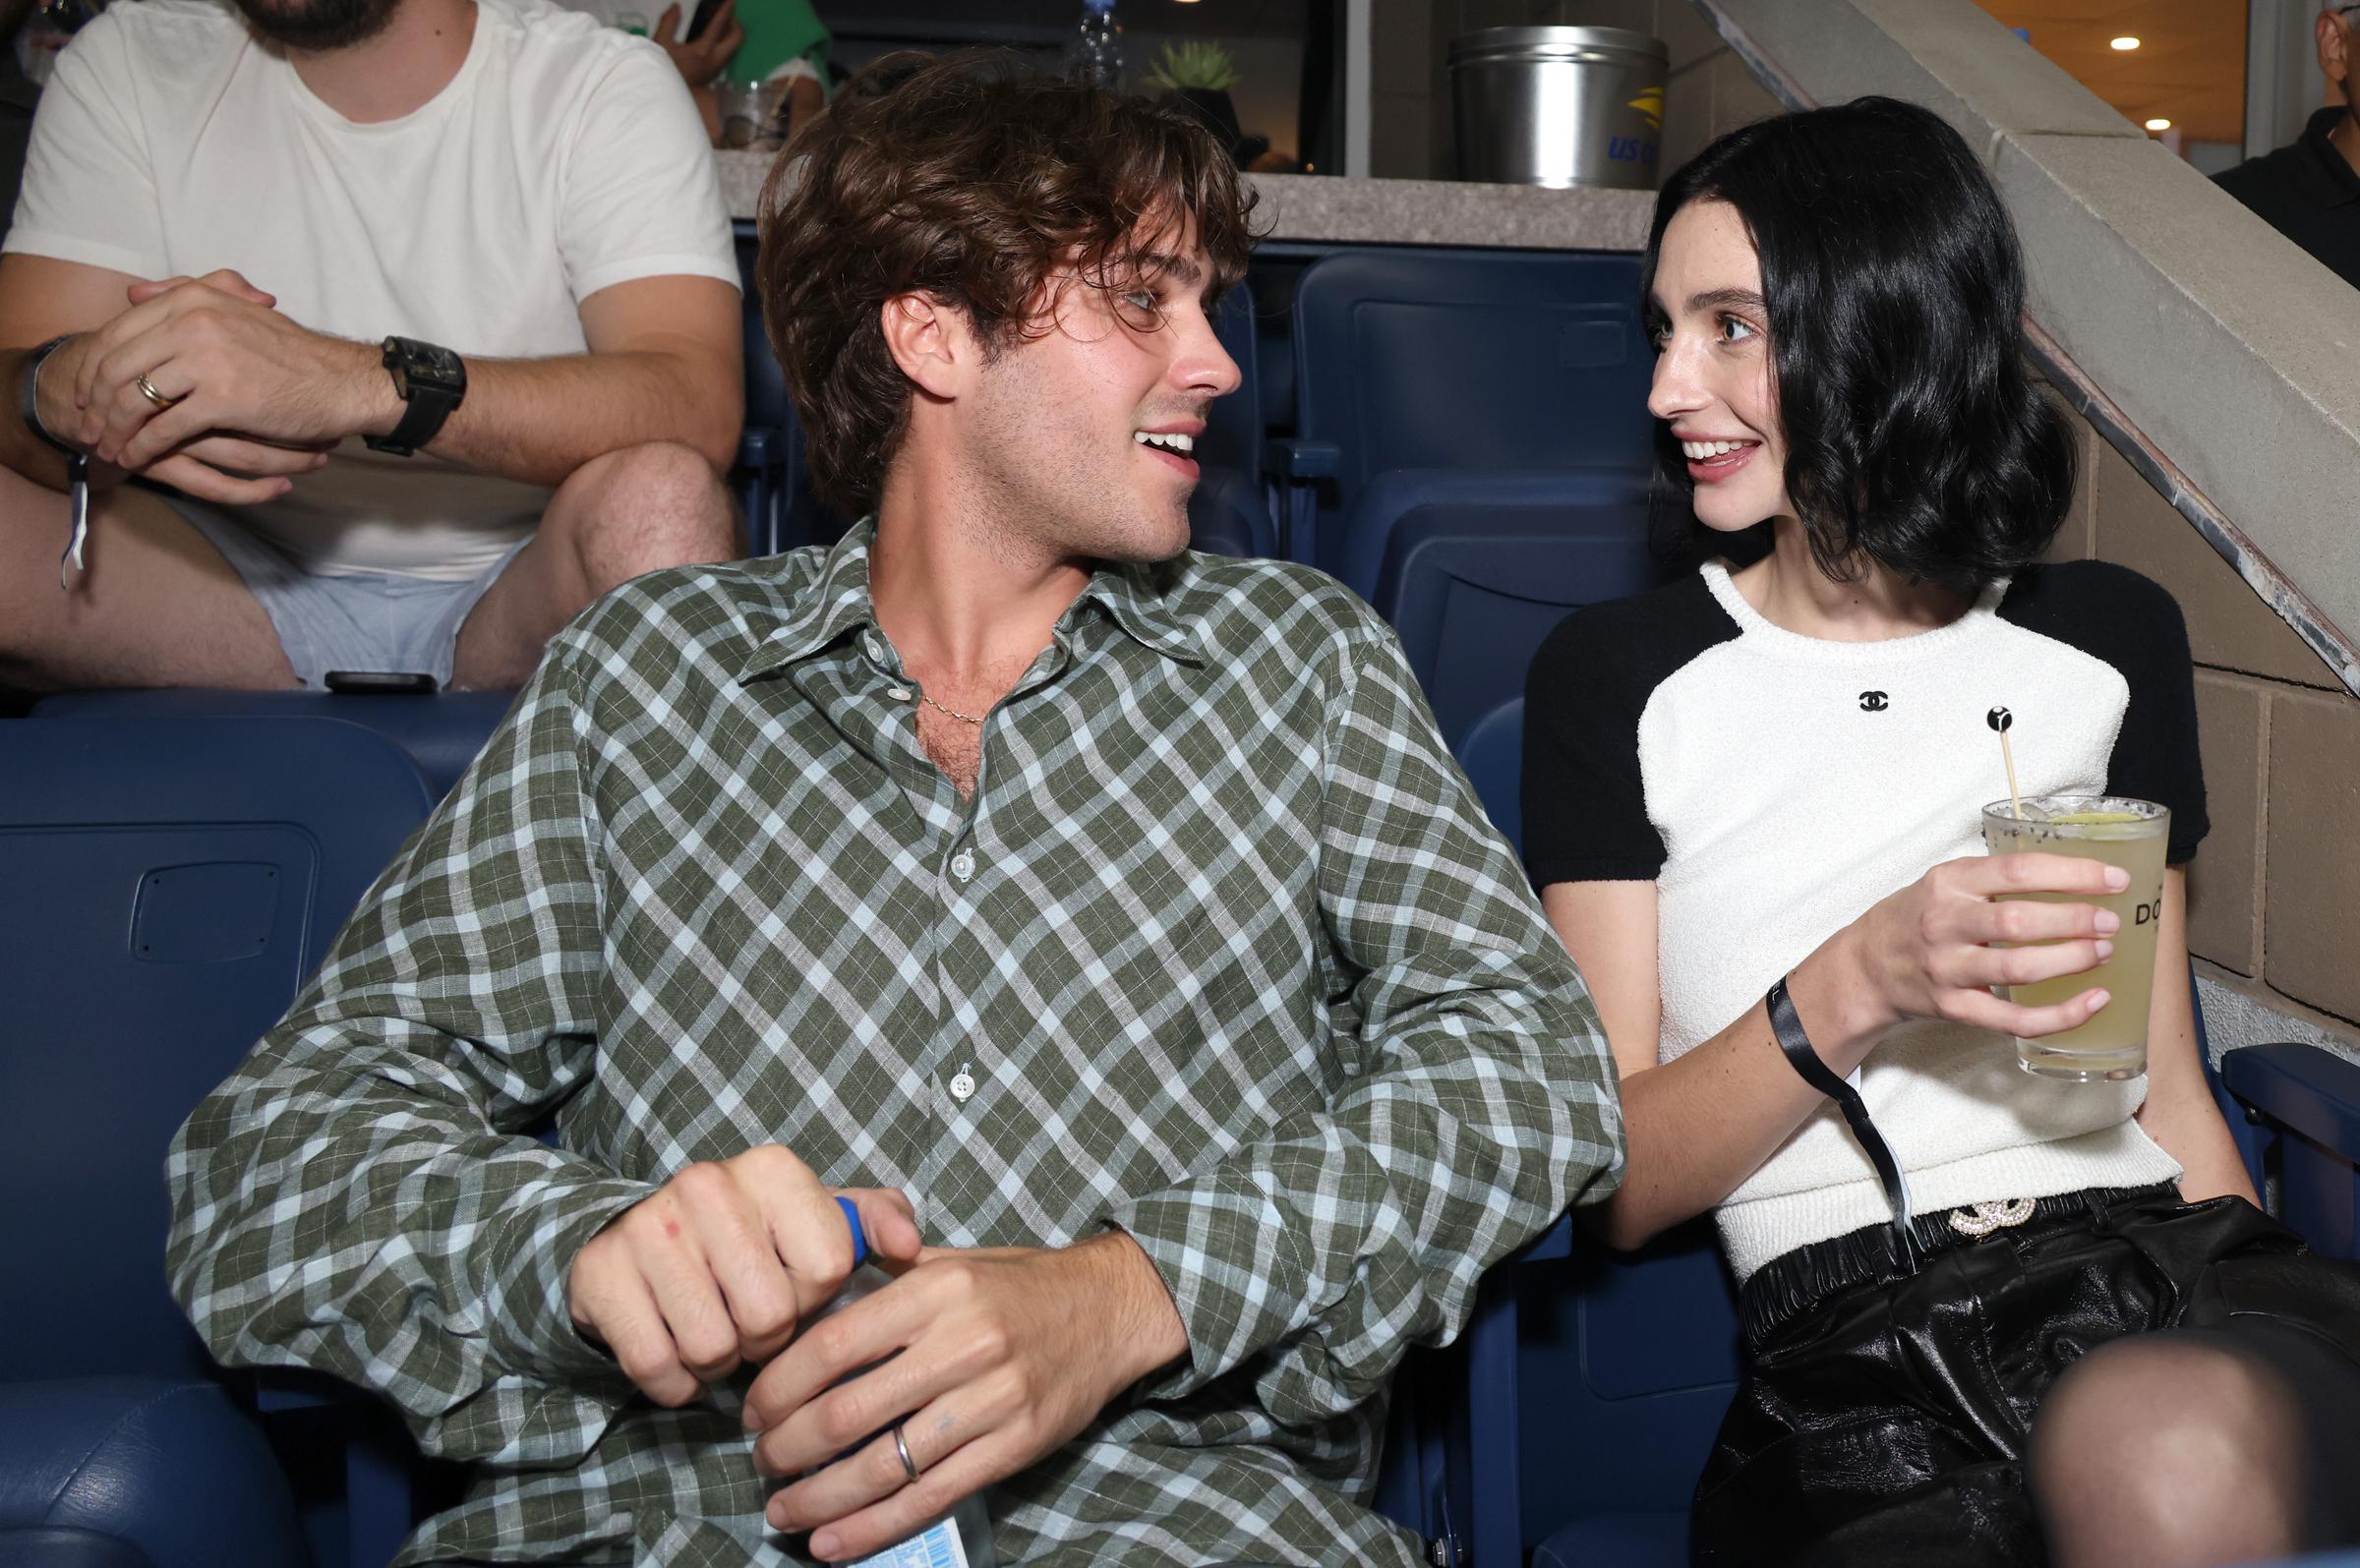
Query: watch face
[[429, 365]]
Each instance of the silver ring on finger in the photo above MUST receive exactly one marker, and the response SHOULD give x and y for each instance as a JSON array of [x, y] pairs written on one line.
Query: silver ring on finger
[[901, 1446], [147, 390]]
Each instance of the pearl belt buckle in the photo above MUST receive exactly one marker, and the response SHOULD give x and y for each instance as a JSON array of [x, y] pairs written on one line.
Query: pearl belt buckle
[[1985, 1218]]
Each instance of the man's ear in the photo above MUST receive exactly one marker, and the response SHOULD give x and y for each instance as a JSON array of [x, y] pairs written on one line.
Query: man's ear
[[931, 342], [2333, 46]]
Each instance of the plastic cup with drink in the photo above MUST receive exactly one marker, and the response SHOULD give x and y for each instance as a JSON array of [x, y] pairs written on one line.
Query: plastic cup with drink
[[2121, 831]]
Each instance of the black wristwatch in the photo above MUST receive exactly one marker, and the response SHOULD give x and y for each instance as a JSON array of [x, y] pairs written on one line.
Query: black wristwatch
[[432, 380]]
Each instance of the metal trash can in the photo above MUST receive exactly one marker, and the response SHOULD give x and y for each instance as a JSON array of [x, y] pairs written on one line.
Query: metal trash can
[[1558, 106]]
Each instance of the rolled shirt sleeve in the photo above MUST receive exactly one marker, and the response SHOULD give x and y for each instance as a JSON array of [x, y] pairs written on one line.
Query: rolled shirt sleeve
[[361, 1197]]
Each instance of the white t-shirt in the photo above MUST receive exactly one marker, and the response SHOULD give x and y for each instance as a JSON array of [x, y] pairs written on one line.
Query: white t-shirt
[[1774, 787], [562, 159]]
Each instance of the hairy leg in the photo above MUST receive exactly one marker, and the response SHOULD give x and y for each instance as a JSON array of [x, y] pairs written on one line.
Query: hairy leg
[[2170, 1450], [633, 511], [158, 606]]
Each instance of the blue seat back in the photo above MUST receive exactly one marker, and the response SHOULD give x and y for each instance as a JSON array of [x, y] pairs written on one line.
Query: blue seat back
[[1233, 429], [1468, 358], [1630, 1359], [441, 731], [165, 887], [1229, 514], [1474, 570], [1637, 1353], [1491, 751]]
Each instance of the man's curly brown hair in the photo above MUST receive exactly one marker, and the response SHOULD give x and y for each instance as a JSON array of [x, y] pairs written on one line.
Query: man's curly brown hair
[[971, 179]]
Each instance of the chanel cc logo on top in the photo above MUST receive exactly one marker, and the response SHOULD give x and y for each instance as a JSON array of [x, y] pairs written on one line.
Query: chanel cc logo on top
[[1875, 702]]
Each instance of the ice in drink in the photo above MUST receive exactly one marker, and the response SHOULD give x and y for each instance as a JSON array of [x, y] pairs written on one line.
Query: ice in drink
[[2125, 832]]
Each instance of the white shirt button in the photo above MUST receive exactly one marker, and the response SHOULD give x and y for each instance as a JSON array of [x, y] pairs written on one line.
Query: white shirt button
[[962, 1086], [898, 693], [873, 648], [963, 864]]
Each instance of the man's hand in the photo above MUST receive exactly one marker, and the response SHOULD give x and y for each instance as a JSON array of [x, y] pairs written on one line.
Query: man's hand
[[701, 59], [716, 1268], [254, 393], [225, 467], [1003, 1356]]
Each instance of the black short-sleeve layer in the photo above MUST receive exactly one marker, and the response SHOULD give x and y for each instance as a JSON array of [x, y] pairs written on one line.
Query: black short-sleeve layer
[[2113, 613], [1586, 798]]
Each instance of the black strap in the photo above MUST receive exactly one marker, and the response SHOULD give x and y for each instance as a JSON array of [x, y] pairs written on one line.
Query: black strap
[[28, 401], [1806, 1061]]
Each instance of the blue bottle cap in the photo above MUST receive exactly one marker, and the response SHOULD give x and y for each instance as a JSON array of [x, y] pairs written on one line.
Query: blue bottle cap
[[851, 1217]]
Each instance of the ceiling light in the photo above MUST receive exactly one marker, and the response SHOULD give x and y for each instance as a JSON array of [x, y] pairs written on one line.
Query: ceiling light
[[2158, 125], [2126, 45]]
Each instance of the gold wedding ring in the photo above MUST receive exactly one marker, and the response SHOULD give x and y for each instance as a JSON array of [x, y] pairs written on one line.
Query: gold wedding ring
[[147, 390]]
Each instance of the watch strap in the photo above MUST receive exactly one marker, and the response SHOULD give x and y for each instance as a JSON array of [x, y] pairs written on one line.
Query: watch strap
[[1786, 1028], [425, 405]]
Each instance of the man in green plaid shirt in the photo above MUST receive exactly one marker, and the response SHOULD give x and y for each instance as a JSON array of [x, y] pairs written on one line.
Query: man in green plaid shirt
[[1107, 921]]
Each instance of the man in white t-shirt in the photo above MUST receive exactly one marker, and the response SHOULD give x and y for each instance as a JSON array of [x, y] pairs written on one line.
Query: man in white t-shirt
[[418, 319]]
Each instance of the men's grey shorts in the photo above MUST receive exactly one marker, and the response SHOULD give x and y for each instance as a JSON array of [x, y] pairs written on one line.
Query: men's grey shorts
[[372, 620]]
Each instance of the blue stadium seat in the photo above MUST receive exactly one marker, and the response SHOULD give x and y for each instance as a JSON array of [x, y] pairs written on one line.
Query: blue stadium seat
[[139, 1473], [2302, 1127], [1475, 570], [1491, 751], [1631, 1358], [1229, 514], [165, 886], [1455, 359], [441, 731]]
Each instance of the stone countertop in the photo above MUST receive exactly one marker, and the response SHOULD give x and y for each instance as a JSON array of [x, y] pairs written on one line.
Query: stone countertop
[[1326, 209]]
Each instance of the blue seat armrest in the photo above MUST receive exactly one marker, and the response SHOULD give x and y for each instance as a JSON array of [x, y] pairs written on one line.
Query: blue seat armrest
[[173, 1470], [758, 448], [1289, 458], [278, 1388], [1555, 1242], [1295, 469], [2301, 1087]]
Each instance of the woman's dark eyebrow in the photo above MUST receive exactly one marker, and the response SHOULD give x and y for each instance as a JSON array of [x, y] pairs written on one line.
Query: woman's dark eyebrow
[[1727, 299]]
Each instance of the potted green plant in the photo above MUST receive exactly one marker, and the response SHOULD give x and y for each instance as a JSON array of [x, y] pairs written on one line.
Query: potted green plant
[[1200, 72]]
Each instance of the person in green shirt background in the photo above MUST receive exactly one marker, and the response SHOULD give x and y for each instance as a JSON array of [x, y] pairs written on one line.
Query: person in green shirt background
[[743, 41]]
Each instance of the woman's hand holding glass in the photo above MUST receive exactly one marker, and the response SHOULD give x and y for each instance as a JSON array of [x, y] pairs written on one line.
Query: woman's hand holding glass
[[1935, 949]]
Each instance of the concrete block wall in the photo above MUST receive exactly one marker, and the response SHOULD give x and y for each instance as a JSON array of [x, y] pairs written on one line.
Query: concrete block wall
[[1708, 90], [2269, 913]]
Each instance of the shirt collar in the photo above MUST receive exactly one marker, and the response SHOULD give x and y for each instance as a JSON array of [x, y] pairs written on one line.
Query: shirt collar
[[1137, 599], [2344, 185], [838, 603]]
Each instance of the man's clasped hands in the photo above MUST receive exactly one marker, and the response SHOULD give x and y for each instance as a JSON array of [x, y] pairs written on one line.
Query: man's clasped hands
[[987, 1358], [203, 384]]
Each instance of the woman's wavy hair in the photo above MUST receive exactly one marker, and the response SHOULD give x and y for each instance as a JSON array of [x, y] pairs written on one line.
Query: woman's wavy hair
[[973, 179], [1895, 293]]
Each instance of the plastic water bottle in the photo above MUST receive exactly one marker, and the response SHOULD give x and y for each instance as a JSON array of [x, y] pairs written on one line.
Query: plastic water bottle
[[1097, 55], [961, 1537]]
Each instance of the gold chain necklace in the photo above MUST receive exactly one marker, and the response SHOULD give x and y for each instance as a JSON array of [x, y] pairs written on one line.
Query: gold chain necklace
[[952, 712]]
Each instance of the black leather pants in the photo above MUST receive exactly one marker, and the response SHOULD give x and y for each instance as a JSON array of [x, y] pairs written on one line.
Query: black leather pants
[[1887, 1397]]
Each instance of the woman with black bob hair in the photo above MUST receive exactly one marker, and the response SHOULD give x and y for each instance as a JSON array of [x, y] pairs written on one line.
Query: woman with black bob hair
[[1890, 267], [1988, 1317]]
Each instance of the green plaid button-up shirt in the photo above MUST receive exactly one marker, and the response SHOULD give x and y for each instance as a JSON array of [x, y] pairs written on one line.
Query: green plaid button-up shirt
[[1222, 953]]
